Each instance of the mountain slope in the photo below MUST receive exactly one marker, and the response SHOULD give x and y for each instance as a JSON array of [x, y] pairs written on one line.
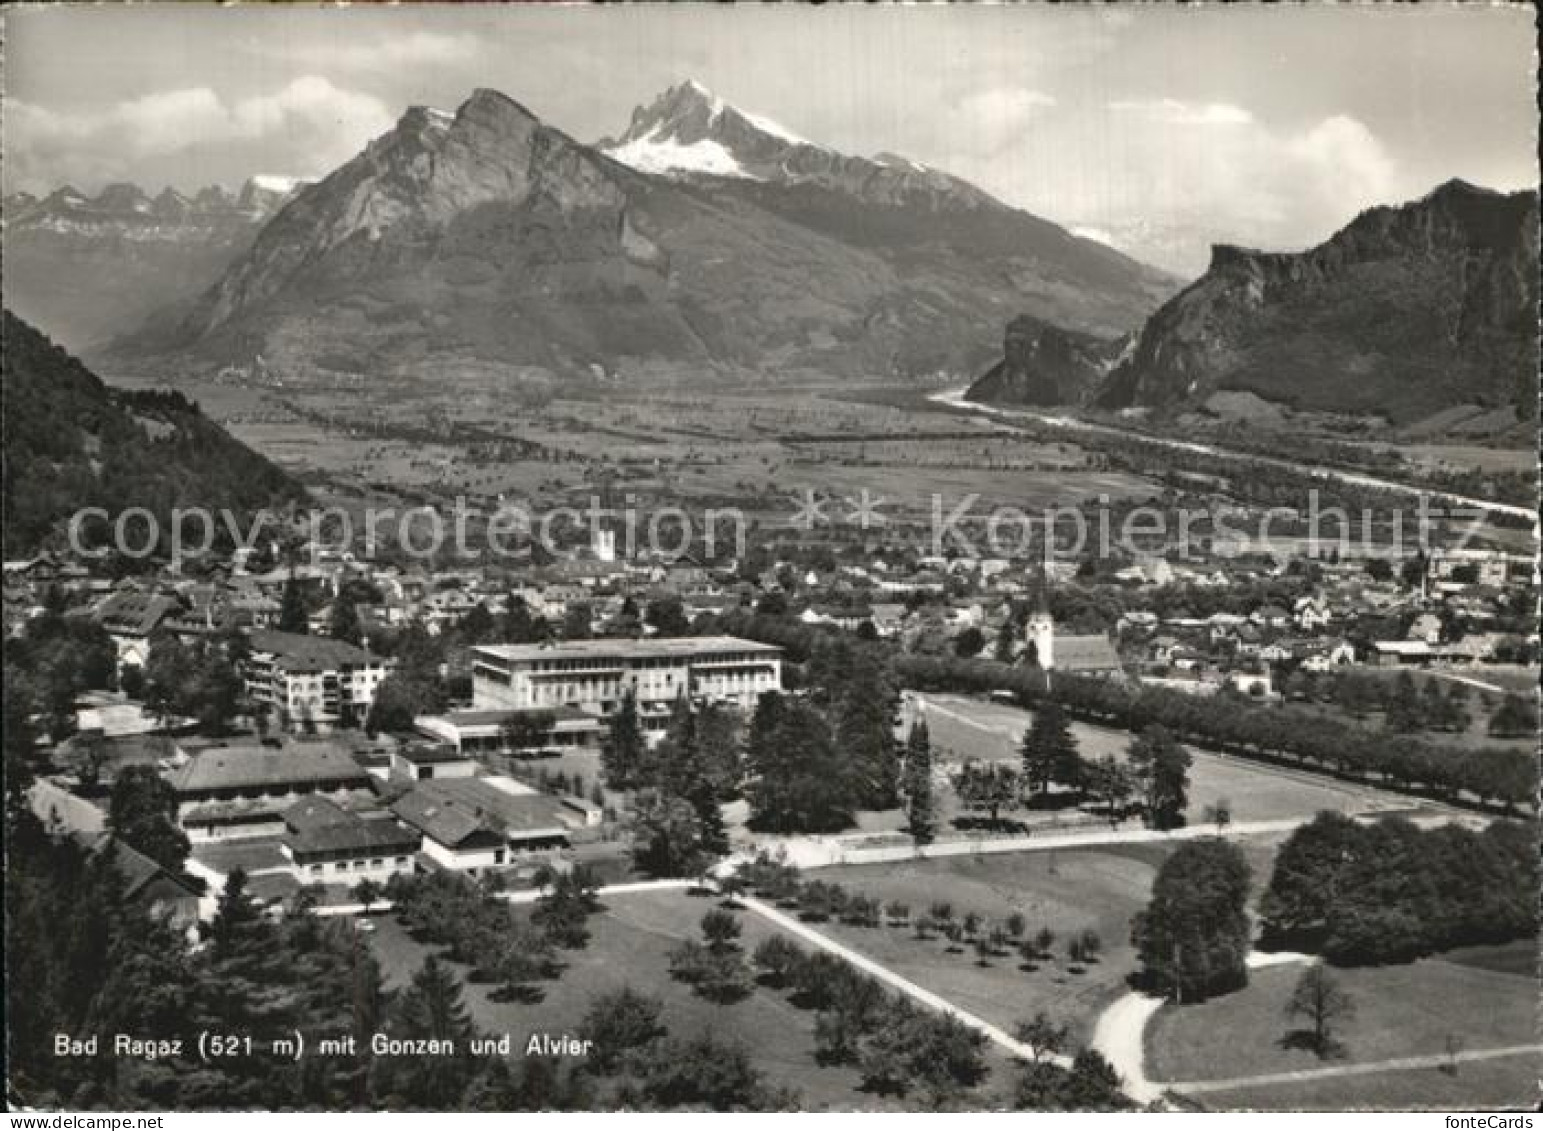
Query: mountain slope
[[1405, 312], [71, 442], [488, 238], [89, 269]]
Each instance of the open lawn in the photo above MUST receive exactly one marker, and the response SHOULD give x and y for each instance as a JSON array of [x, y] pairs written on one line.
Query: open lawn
[[962, 728], [1067, 892], [1407, 1010], [629, 946]]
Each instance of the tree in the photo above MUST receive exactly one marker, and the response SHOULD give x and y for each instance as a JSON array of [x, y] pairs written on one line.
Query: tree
[[576, 621], [800, 781], [1049, 751], [343, 622], [526, 731], [368, 893], [1046, 1039], [988, 786], [1219, 814], [1093, 1084], [720, 749], [1320, 998], [398, 700], [1161, 766], [716, 967], [131, 681], [1514, 718], [1006, 645], [667, 617], [169, 671], [918, 784], [1404, 711], [969, 643], [721, 929], [1111, 782], [1194, 936], [293, 616], [703, 1072], [1308, 875], [682, 767], [569, 898], [624, 750], [91, 750], [519, 625], [142, 812], [431, 1008], [911, 1048], [666, 836], [865, 701]]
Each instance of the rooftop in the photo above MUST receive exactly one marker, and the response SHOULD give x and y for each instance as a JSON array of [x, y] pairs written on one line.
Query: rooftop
[[298, 652], [451, 809], [235, 767], [683, 647], [1085, 653], [317, 825]]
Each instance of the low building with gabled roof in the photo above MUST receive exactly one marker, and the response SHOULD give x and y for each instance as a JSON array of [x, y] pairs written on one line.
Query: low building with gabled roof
[[472, 825], [244, 790], [326, 843]]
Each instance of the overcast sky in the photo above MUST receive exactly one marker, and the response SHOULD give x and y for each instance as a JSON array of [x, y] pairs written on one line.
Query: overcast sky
[[1268, 126]]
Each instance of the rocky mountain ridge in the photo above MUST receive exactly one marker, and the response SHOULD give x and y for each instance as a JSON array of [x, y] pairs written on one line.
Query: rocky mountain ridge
[[1407, 311], [90, 268], [488, 237]]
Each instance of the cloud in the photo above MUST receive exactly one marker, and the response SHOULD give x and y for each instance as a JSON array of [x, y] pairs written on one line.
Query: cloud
[[385, 54], [987, 121], [1165, 178], [1176, 112], [310, 124]]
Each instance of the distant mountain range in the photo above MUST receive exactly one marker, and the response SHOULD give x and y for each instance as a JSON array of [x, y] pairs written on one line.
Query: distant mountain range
[[71, 442], [91, 268], [705, 243], [1407, 312]]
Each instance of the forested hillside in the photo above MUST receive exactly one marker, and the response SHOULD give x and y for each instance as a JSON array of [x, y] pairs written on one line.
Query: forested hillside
[[71, 442]]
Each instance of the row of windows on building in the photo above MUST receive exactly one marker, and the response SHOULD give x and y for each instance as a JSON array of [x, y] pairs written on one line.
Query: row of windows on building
[[357, 865]]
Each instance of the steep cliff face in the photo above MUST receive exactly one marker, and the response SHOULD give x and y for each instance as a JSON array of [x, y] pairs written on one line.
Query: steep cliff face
[[490, 239], [1406, 311], [1046, 365]]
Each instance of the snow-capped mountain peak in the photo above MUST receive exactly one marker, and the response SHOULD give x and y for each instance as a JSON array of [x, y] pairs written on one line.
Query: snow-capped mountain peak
[[689, 129], [275, 182]]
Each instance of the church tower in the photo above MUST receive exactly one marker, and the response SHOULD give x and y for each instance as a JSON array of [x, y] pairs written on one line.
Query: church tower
[[1039, 630]]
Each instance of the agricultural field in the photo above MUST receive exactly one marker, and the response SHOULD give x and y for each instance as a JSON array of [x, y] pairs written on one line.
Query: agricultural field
[[750, 446], [1467, 1002], [963, 728]]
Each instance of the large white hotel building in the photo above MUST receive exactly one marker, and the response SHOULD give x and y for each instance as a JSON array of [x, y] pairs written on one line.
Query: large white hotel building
[[593, 675]]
